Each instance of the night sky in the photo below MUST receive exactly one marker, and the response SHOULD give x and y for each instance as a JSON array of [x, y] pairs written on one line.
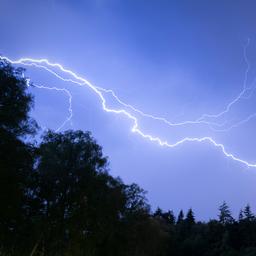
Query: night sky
[[173, 59]]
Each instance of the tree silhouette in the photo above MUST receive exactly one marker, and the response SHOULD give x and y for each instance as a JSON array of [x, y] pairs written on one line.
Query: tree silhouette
[[15, 102], [225, 216], [248, 215], [16, 157], [79, 199], [190, 218], [180, 218], [241, 215]]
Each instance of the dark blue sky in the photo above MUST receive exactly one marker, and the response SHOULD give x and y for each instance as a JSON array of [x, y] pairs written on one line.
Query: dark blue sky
[[177, 59]]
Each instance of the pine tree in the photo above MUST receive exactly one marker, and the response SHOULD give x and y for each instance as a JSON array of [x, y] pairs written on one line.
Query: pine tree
[[169, 217], [190, 217], [248, 215], [241, 216], [158, 212], [225, 216], [180, 217]]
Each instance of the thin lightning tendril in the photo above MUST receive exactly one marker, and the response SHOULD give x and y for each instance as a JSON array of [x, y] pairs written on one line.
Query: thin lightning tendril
[[40, 63], [240, 95], [69, 118]]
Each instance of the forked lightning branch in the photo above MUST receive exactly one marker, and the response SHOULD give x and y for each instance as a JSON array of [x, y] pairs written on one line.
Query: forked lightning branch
[[128, 111]]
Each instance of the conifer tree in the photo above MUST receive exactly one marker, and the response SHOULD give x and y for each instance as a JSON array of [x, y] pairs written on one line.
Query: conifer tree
[[180, 218], [225, 216]]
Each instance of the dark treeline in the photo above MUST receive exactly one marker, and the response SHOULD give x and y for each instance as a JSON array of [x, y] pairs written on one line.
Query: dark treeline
[[57, 198]]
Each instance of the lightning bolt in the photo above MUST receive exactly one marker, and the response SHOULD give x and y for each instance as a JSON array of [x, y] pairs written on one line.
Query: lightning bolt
[[69, 118], [240, 95], [78, 80]]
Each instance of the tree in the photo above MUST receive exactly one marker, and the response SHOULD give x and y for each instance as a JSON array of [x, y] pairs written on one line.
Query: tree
[[81, 203], [136, 199], [83, 209], [225, 216], [180, 218], [158, 213], [169, 217], [190, 217], [241, 215], [248, 215], [16, 157], [15, 102]]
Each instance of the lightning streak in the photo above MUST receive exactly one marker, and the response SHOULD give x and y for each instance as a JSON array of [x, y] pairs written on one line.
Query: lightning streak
[[240, 95], [40, 63], [68, 119], [247, 119]]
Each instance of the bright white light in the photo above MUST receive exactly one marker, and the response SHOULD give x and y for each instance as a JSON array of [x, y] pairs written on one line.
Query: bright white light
[[78, 80]]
